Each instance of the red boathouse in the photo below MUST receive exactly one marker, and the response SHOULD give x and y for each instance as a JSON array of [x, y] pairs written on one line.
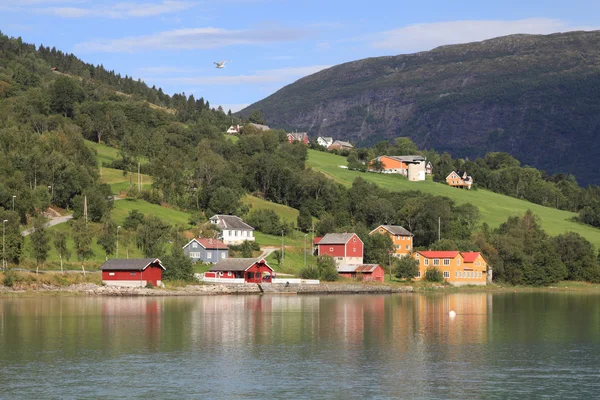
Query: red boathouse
[[363, 272], [249, 269], [134, 272]]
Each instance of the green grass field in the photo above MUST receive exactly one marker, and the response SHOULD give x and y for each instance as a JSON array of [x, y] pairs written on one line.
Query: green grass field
[[495, 208], [286, 213], [121, 183]]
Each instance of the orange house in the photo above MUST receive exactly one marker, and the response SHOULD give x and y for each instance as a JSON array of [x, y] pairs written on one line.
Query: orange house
[[459, 179], [458, 268], [402, 239]]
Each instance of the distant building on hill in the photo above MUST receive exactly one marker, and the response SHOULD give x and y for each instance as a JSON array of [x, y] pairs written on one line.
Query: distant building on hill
[[259, 126], [324, 141], [459, 179], [301, 137], [233, 130], [415, 168], [401, 238], [340, 145], [233, 229]]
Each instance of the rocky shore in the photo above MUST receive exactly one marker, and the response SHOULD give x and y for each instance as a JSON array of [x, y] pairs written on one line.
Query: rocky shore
[[208, 290]]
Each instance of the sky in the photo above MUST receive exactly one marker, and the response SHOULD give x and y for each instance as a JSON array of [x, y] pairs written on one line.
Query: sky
[[270, 43]]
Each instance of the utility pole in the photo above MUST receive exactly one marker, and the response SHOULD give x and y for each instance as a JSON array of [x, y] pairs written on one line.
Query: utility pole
[[13, 199], [306, 234], [118, 227], [312, 253], [85, 209], [282, 249], [439, 228], [3, 245], [139, 179]]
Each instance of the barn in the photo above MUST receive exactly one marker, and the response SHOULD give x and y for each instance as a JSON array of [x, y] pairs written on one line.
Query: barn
[[252, 270], [132, 272], [363, 272]]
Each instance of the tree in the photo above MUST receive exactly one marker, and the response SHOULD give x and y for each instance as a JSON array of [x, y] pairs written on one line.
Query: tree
[[125, 240], [246, 249], [256, 117], [64, 93], [177, 265], [152, 235], [405, 146], [40, 242], [82, 237], [60, 244], [304, 219], [108, 238], [133, 219], [327, 268], [434, 275], [406, 267], [225, 200], [378, 249], [578, 256]]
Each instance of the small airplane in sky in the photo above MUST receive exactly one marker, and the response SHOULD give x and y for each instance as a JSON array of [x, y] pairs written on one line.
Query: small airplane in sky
[[220, 64]]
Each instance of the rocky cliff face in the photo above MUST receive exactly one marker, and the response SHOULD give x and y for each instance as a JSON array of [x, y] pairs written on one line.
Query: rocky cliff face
[[536, 97]]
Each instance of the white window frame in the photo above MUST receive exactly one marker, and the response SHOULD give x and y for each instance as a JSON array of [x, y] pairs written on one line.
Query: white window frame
[[446, 261], [407, 247], [209, 255], [458, 262], [223, 255], [446, 274], [436, 261], [426, 262], [194, 245], [419, 274]]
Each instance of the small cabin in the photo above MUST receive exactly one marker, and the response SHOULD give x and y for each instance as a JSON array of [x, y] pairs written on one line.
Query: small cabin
[[364, 272], [251, 270], [132, 272]]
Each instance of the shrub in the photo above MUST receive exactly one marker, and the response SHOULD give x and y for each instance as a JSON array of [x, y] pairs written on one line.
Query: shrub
[[309, 272], [406, 268], [149, 285], [434, 275], [327, 268]]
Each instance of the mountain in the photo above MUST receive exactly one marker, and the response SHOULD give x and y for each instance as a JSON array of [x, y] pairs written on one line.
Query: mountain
[[536, 97]]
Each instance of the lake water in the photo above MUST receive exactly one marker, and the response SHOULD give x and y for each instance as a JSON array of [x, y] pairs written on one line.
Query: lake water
[[515, 345]]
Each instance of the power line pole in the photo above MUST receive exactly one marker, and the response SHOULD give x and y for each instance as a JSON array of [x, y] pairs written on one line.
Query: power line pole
[[439, 228], [282, 249]]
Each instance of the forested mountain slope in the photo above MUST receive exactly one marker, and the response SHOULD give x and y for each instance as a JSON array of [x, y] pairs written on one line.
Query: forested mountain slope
[[535, 97]]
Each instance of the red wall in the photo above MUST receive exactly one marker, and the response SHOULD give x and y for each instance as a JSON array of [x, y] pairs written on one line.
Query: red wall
[[151, 274], [338, 249], [258, 268], [375, 276]]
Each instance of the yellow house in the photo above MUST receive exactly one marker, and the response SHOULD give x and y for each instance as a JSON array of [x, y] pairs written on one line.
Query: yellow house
[[459, 179], [468, 268], [401, 238]]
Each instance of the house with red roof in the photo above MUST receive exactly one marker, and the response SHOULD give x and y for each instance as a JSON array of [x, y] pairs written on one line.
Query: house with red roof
[[301, 137], [467, 268], [132, 272], [345, 248], [242, 270], [207, 250]]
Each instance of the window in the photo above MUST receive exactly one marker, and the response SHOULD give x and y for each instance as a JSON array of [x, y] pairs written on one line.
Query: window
[[417, 255], [419, 274], [436, 261], [195, 245], [407, 247], [446, 274], [354, 240], [132, 274], [458, 262], [223, 255], [331, 249], [427, 261], [446, 261], [209, 255], [456, 274], [111, 274], [229, 274], [354, 249]]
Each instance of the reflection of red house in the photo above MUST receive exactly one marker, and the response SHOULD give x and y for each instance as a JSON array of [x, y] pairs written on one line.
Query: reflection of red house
[[364, 272], [132, 272], [250, 269]]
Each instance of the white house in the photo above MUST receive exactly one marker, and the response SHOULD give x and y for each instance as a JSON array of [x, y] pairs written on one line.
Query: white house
[[233, 229], [325, 141], [233, 129]]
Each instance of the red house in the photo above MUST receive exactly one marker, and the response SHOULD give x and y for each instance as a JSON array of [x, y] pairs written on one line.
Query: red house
[[249, 269], [301, 137], [345, 248], [364, 272], [134, 272]]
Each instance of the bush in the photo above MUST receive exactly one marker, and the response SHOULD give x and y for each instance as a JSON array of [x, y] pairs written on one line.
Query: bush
[[434, 275], [309, 273], [406, 268], [327, 268], [10, 278], [149, 285]]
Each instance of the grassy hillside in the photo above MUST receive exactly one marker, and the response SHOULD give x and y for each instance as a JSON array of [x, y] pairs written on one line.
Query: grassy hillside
[[495, 208], [288, 214]]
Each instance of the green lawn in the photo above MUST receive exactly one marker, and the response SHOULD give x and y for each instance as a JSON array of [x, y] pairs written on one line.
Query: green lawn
[[495, 208], [173, 217], [293, 261], [120, 183], [233, 138], [286, 213]]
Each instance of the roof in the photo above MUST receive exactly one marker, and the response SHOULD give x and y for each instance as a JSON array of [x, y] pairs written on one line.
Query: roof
[[130, 264], [259, 126], [359, 268], [231, 222], [207, 243], [394, 230], [439, 254], [470, 256], [337, 238], [326, 138], [298, 135], [237, 264], [317, 239], [453, 172], [408, 158], [342, 143]]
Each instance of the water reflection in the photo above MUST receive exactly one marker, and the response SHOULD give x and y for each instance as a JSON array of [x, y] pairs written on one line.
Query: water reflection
[[369, 346]]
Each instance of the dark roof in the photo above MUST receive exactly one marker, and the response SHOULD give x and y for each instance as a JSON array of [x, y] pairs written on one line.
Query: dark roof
[[342, 143], [394, 230], [336, 238], [231, 222], [361, 268], [130, 264], [408, 158], [236, 264], [208, 243]]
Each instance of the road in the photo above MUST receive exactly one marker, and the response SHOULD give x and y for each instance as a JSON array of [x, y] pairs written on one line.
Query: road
[[53, 221]]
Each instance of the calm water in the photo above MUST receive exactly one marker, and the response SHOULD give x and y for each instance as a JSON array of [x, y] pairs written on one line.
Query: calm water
[[388, 346]]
